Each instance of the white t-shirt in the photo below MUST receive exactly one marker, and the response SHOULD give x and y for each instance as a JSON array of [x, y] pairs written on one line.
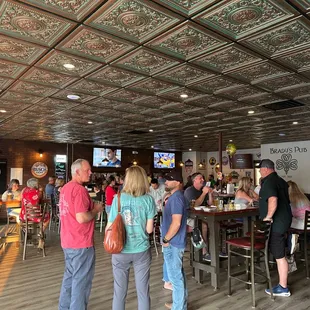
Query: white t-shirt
[[257, 189], [158, 195]]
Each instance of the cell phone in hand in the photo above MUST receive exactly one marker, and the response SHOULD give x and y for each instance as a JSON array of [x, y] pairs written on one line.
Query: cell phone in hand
[[208, 184]]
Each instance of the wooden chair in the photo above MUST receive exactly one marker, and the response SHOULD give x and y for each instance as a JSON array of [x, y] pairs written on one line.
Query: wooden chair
[[247, 247], [31, 230]]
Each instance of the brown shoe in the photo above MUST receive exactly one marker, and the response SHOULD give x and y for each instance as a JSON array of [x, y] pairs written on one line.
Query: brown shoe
[[168, 305]]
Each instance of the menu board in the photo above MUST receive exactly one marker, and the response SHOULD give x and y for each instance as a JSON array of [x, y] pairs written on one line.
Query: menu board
[[242, 161]]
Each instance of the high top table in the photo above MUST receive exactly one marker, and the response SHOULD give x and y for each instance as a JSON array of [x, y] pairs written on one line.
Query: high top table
[[213, 219]]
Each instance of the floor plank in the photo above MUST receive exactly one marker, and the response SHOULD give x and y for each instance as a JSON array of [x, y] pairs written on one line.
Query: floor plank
[[34, 284]]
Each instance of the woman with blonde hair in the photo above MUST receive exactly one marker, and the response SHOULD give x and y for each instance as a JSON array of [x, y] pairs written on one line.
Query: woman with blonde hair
[[138, 210], [299, 205], [244, 194]]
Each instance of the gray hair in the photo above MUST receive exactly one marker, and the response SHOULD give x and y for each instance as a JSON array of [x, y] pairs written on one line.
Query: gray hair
[[77, 165], [33, 183]]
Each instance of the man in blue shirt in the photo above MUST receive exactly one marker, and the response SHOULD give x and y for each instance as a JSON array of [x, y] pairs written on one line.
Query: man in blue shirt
[[113, 160], [174, 240], [49, 188]]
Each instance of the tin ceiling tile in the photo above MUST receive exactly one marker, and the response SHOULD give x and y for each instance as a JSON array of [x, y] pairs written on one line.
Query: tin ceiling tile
[[227, 58], [186, 41], [63, 94], [125, 95], [30, 24], [48, 78], [55, 61], [145, 61], [19, 97], [298, 60], [73, 9], [239, 18], [284, 38], [187, 7], [283, 82], [137, 21], [115, 76], [216, 83], [19, 51], [259, 72], [5, 82], [96, 45], [152, 86], [303, 5], [184, 74], [91, 87], [295, 92], [35, 89], [11, 69]]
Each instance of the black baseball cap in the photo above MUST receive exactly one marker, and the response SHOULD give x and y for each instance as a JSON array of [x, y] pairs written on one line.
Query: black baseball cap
[[266, 163], [174, 176]]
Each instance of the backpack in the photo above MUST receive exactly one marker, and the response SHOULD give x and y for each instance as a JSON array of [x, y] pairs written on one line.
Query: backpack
[[115, 235], [197, 239]]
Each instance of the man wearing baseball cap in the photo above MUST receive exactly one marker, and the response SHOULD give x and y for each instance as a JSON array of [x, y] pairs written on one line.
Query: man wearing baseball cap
[[274, 205], [174, 239]]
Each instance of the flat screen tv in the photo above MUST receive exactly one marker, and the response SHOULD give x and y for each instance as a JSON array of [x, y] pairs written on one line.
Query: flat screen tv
[[164, 160], [105, 157]]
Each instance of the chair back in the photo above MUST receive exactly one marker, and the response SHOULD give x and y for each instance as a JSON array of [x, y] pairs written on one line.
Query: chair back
[[262, 234], [33, 212], [307, 225]]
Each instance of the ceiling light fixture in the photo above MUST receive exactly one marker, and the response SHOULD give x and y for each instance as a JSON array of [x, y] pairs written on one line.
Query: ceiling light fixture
[[151, 130], [134, 162], [189, 149], [90, 122], [69, 66], [103, 142], [281, 134], [73, 97], [195, 136], [184, 96], [295, 123], [181, 163], [152, 146], [251, 112], [2, 111], [230, 140]]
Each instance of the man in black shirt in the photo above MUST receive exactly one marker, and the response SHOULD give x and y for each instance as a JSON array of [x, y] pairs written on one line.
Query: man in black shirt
[[274, 205]]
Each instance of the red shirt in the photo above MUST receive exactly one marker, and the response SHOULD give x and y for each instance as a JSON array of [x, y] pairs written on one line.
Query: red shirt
[[74, 198], [109, 194]]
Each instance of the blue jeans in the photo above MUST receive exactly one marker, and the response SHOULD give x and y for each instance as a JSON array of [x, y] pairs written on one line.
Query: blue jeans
[[165, 272], [174, 262], [77, 280]]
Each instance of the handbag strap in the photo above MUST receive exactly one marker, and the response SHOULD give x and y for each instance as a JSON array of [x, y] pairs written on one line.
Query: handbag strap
[[119, 202]]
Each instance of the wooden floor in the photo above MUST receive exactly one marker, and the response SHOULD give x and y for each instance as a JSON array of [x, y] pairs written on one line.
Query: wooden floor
[[34, 284]]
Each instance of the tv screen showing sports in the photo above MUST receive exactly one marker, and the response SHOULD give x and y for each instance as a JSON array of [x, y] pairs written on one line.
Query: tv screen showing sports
[[164, 160], [105, 157]]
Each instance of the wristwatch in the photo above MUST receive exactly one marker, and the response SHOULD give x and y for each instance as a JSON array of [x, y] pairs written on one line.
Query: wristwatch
[[165, 240]]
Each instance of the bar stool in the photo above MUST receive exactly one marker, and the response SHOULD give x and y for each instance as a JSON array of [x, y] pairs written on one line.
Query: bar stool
[[248, 247]]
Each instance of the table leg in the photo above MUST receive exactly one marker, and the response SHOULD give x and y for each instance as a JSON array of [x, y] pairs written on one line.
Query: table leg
[[198, 273], [214, 251]]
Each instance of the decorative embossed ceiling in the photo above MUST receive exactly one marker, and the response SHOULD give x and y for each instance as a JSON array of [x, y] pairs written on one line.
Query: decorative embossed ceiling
[[132, 59]]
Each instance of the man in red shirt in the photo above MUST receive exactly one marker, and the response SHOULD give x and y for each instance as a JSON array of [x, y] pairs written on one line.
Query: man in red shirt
[[77, 213]]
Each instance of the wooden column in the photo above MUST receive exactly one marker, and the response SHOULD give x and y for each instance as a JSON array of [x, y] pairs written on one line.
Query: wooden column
[[220, 156]]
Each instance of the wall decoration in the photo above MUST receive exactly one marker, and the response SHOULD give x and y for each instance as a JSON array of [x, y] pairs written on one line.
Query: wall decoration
[[189, 166], [286, 163], [225, 160], [212, 161], [39, 170]]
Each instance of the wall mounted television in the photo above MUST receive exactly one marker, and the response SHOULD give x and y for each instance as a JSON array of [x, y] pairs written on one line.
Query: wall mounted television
[[163, 160], [107, 157]]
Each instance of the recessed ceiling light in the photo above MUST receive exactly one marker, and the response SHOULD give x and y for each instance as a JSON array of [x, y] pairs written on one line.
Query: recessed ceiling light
[[90, 122], [230, 140], [295, 123], [195, 136], [69, 66], [189, 149], [103, 142], [184, 96], [281, 134], [73, 97], [2, 111], [251, 112], [151, 130]]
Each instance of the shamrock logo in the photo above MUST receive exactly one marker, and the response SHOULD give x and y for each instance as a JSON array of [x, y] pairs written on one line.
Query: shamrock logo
[[286, 163]]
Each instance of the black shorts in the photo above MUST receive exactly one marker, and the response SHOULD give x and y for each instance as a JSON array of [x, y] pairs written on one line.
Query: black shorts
[[277, 243]]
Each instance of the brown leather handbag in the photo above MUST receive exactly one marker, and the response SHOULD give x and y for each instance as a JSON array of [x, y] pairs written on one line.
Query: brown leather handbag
[[115, 235]]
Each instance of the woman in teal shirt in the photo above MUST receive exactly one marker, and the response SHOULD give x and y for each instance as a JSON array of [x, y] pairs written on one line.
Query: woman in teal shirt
[[138, 210]]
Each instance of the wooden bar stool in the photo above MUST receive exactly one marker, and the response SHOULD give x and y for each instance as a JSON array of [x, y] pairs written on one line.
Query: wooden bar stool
[[247, 247]]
